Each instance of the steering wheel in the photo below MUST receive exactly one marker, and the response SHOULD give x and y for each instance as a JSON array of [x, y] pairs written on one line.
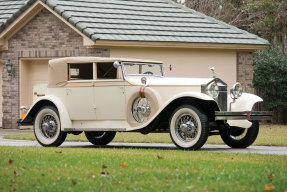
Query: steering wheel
[[148, 73]]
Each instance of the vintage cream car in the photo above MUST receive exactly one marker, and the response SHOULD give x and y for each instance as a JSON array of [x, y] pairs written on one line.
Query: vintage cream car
[[102, 96]]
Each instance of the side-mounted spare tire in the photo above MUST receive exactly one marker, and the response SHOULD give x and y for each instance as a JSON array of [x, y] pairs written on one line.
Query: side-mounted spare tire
[[142, 105]]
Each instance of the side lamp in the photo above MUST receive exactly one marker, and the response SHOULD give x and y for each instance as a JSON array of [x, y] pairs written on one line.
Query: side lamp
[[10, 69]]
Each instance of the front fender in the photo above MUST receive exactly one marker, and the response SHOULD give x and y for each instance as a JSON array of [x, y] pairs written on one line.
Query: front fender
[[243, 103], [63, 113], [196, 95]]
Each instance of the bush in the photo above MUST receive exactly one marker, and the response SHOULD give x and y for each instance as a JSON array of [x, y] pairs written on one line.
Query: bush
[[270, 77]]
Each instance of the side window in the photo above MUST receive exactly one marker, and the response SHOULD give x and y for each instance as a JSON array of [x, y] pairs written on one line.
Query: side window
[[106, 71], [81, 71]]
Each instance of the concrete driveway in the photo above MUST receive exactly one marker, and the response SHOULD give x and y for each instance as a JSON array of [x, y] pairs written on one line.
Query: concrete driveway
[[207, 147]]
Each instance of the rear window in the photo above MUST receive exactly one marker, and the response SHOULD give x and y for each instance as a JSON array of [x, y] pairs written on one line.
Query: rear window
[[81, 71]]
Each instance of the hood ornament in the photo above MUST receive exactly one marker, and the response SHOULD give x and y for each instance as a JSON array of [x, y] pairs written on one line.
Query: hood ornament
[[213, 71]]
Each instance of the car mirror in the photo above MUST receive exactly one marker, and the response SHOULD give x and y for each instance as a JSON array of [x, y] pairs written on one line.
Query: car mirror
[[116, 64]]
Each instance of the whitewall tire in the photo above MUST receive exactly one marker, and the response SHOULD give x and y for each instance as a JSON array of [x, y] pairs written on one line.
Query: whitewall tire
[[189, 128], [47, 127]]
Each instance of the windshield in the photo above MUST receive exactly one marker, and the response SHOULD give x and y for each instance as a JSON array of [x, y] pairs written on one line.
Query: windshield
[[142, 69]]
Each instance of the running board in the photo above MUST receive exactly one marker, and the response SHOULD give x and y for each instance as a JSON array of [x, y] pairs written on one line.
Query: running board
[[93, 129]]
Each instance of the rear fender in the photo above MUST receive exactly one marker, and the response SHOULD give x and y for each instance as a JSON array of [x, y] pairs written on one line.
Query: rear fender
[[48, 100]]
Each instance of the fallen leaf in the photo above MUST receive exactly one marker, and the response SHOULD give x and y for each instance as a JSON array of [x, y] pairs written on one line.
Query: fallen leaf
[[74, 182], [219, 166], [124, 164], [12, 181], [15, 173], [10, 162], [104, 174], [189, 187], [270, 176], [59, 178], [159, 157], [104, 166], [269, 187], [58, 152], [91, 175]]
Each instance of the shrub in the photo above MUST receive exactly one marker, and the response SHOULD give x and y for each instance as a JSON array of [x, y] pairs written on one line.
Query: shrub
[[270, 77]]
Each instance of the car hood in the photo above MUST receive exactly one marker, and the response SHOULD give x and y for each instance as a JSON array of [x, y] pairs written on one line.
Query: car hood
[[170, 81]]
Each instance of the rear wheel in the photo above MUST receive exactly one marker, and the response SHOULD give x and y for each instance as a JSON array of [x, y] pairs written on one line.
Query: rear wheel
[[238, 137], [189, 128], [100, 138], [47, 127]]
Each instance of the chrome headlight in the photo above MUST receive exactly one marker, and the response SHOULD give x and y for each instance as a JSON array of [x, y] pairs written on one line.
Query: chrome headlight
[[236, 91], [212, 90]]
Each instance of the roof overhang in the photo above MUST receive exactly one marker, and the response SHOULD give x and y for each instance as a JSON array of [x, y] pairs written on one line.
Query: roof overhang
[[25, 17], [16, 25], [35, 8], [242, 47]]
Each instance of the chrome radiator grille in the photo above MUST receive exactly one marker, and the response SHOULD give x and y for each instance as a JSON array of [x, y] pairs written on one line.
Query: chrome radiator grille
[[222, 97]]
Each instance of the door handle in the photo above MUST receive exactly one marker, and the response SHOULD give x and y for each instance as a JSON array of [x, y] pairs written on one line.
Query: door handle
[[122, 89], [68, 91]]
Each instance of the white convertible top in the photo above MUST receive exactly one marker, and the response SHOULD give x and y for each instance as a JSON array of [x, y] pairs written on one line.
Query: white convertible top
[[58, 68]]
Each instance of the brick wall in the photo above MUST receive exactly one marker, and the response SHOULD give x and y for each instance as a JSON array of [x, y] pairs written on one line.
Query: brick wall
[[245, 71], [44, 36], [1, 66]]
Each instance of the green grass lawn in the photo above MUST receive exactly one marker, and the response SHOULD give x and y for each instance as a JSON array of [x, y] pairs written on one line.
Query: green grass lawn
[[269, 135], [98, 169]]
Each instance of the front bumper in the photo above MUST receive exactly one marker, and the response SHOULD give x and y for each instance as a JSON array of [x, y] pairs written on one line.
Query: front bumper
[[244, 115]]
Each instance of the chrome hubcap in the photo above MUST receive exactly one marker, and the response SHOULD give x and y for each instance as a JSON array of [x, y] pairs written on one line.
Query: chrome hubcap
[[141, 109], [49, 126], [186, 127]]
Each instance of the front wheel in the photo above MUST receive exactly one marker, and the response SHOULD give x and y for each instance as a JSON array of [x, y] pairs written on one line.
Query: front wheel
[[100, 138], [189, 128], [239, 137], [47, 127]]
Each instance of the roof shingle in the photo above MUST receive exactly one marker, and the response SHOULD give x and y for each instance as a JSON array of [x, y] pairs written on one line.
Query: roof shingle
[[141, 20]]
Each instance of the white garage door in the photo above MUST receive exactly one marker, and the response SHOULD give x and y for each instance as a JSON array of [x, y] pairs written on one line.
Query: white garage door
[[33, 73], [1, 98]]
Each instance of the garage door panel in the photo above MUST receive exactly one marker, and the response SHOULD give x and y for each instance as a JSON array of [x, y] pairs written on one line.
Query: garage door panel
[[34, 74]]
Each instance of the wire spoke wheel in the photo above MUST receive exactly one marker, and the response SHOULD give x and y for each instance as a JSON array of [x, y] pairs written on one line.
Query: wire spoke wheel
[[47, 127], [189, 128], [186, 127]]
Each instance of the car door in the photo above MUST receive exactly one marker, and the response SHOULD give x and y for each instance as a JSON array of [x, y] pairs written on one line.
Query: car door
[[80, 92], [109, 93]]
